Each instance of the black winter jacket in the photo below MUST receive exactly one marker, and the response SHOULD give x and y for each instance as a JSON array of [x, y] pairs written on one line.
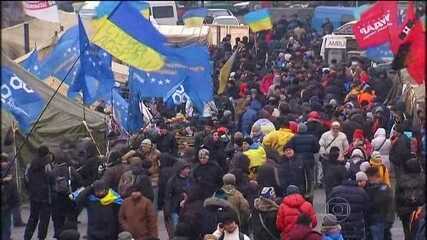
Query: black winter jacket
[[292, 172], [208, 175], [353, 223], [410, 189], [265, 210], [305, 145], [39, 185], [334, 174], [167, 144], [103, 221], [175, 189], [381, 203]]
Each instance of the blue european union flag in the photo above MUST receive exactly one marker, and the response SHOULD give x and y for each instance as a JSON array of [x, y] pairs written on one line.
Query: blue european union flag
[[20, 100], [381, 53], [120, 109], [135, 117], [91, 75], [31, 63], [95, 78]]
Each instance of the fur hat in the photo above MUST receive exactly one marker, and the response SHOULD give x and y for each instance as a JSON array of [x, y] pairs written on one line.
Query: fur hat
[[361, 176]]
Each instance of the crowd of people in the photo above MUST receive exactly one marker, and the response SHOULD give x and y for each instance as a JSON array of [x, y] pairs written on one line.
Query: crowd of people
[[286, 125]]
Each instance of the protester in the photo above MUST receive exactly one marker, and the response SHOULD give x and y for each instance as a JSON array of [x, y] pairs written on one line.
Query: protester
[[279, 138], [380, 215], [303, 230], [9, 198], [207, 172], [138, 216], [333, 138], [291, 207], [40, 191], [264, 215], [334, 171], [228, 228], [102, 204], [331, 230]]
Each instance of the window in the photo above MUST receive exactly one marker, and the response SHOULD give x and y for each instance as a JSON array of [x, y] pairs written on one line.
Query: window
[[163, 12]]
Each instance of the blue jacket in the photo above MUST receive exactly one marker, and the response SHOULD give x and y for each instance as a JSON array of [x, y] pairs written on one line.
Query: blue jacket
[[305, 145], [248, 118]]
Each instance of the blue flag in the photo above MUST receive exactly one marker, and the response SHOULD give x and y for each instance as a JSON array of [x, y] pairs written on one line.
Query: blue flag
[[21, 101], [120, 109], [95, 78], [381, 53], [31, 63], [135, 117]]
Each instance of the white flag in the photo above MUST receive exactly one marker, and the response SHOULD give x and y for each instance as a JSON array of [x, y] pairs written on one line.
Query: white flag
[[44, 10]]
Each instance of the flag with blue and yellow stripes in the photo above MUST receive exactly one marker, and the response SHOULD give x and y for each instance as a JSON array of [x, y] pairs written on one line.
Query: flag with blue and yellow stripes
[[195, 17], [258, 20]]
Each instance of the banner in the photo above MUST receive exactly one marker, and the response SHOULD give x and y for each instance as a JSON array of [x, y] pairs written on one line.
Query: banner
[[44, 10], [375, 24]]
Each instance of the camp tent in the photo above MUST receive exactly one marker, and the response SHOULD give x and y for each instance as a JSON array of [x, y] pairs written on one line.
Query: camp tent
[[63, 118]]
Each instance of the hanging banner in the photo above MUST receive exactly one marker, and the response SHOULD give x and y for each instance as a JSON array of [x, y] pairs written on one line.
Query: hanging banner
[[44, 10]]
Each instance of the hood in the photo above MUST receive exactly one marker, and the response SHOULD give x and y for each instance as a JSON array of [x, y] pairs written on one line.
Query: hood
[[380, 133], [215, 202], [265, 205], [229, 189], [294, 200], [299, 232], [357, 117]]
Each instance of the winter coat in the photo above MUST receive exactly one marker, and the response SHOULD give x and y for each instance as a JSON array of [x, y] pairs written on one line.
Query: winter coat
[[400, 152], [138, 216], [305, 145], [39, 185], [247, 120], [103, 220], [383, 171], [292, 172], [191, 214], [167, 144], [290, 208], [230, 236], [266, 210], [353, 166], [268, 176], [277, 139], [9, 196], [175, 189], [354, 223], [340, 142], [142, 180], [216, 151], [239, 203], [165, 174], [383, 145], [334, 173], [381, 203], [302, 232], [356, 121], [266, 82], [332, 236], [113, 174], [410, 191], [208, 175], [153, 156], [315, 128]]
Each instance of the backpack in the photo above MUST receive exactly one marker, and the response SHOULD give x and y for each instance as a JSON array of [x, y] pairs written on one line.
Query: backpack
[[62, 179], [127, 180]]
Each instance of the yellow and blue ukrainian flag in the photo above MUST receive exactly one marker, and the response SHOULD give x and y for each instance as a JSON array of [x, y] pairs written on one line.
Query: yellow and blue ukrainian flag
[[195, 17], [128, 36], [258, 20]]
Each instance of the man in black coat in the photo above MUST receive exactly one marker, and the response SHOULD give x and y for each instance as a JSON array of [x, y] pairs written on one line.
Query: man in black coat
[[166, 141], [356, 121], [264, 215], [305, 146], [207, 173], [400, 150], [334, 171], [9, 198], [40, 191], [102, 205], [349, 203], [291, 171]]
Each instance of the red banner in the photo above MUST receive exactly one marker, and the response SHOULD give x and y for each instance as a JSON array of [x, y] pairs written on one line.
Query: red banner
[[375, 24]]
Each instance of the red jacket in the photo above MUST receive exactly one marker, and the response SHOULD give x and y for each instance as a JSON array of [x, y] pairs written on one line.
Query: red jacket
[[290, 208], [266, 82], [301, 232]]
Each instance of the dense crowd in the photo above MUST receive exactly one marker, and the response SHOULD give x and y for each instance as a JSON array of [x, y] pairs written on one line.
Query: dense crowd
[[287, 124]]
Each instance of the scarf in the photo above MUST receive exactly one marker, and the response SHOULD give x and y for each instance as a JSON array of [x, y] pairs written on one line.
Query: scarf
[[111, 197]]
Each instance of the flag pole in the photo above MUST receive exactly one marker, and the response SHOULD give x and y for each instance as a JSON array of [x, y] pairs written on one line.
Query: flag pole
[[27, 136], [17, 180]]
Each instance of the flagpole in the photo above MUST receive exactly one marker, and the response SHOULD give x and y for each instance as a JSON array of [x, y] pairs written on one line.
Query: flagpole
[[27, 136], [18, 186]]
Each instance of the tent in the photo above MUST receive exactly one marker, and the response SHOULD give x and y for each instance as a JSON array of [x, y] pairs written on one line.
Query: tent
[[63, 118]]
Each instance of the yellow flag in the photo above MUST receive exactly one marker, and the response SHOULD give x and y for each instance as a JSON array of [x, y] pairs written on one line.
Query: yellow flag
[[224, 74]]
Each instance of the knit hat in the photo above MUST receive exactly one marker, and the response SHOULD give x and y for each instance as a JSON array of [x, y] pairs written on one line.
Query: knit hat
[[229, 179], [267, 192], [291, 189], [364, 166], [361, 176], [146, 141], [376, 158], [329, 223], [358, 134], [357, 152], [313, 115], [125, 236], [99, 185], [302, 128]]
